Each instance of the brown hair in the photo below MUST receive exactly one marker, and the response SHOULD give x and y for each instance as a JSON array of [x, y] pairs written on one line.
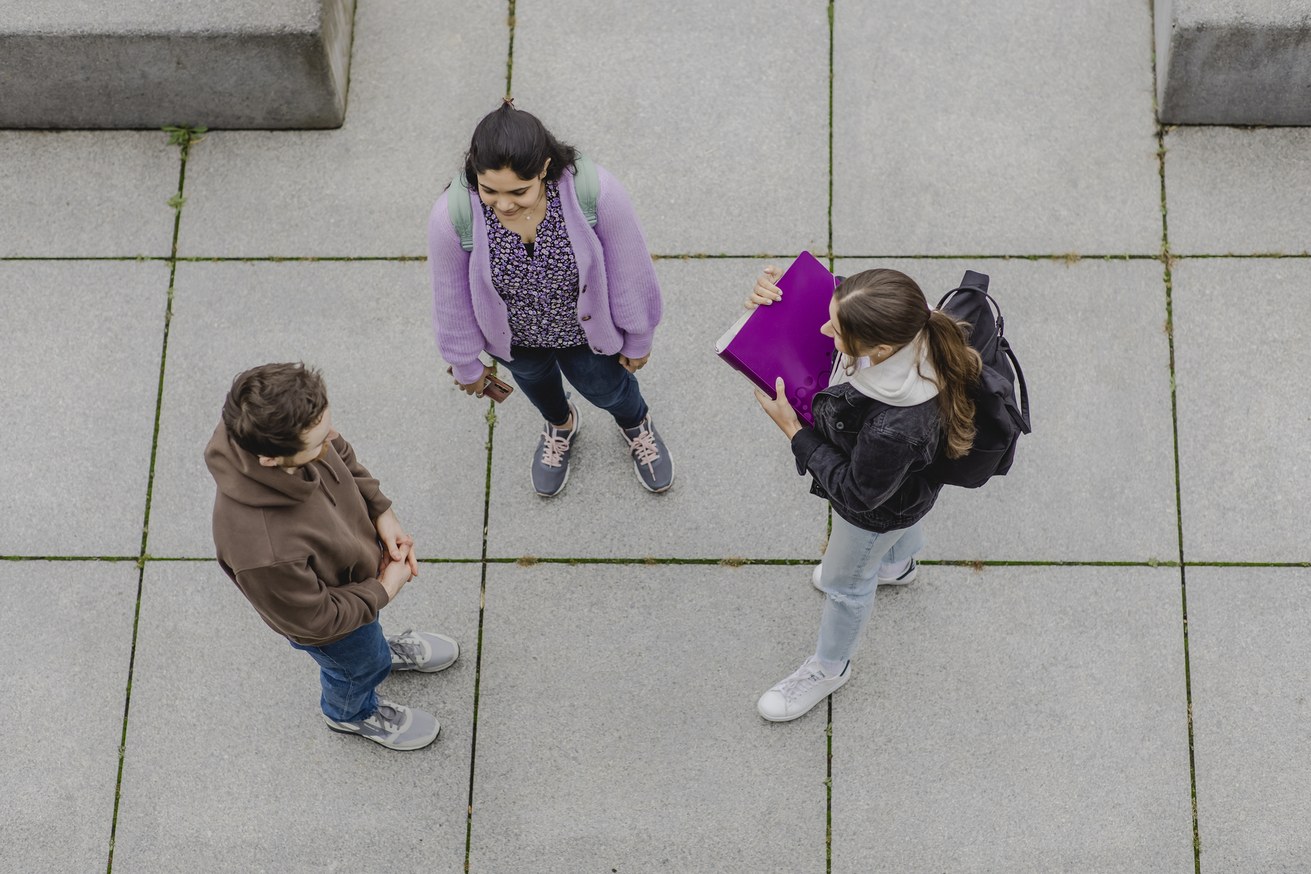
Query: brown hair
[[878, 307], [270, 407]]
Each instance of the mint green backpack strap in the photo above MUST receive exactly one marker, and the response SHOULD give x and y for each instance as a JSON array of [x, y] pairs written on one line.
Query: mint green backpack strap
[[457, 206], [587, 185]]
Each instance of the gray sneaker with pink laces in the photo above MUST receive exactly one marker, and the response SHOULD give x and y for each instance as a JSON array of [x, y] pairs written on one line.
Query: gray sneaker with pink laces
[[551, 458], [651, 459]]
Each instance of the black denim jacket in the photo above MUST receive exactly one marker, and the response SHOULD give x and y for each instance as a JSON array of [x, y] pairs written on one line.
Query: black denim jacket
[[866, 457]]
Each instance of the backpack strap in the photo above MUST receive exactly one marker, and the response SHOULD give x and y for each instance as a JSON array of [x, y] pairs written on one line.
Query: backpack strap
[[1026, 427], [457, 206], [587, 185]]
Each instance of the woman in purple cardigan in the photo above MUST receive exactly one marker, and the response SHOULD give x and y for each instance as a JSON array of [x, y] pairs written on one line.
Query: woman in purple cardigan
[[544, 293]]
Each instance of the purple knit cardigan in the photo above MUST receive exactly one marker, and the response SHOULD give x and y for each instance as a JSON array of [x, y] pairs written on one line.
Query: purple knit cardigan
[[618, 301]]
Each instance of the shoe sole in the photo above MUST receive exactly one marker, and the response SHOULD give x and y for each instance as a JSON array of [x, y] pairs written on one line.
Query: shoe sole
[[382, 743], [578, 427], [808, 709]]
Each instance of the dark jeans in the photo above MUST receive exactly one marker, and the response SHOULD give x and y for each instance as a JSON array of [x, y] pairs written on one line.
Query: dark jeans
[[350, 670], [599, 378]]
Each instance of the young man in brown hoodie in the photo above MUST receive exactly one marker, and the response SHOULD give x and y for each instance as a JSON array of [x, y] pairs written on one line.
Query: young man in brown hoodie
[[311, 541]]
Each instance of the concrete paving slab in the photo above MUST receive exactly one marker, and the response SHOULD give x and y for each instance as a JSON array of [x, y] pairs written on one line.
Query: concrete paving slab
[[366, 325], [422, 74], [1238, 190], [617, 727], [80, 195], [1095, 479], [229, 766], [82, 342], [66, 718], [1249, 658], [716, 122], [1015, 129], [1047, 731], [1240, 486], [736, 492]]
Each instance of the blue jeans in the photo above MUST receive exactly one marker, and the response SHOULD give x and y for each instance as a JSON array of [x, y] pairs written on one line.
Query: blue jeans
[[599, 378], [350, 670], [849, 580]]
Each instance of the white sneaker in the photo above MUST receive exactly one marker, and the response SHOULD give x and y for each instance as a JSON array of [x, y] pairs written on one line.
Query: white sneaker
[[904, 576], [796, 694]]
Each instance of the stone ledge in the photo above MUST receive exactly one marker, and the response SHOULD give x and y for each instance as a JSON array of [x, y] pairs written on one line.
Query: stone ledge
[[1233, 62], [265, 64]]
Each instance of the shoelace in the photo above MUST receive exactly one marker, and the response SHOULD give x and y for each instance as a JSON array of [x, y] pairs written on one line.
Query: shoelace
[[644, 446], [553, 448], [406, 648], [386, 723], [801, 682]]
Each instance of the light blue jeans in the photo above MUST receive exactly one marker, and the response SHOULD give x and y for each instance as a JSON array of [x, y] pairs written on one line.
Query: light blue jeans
[[850, 577]]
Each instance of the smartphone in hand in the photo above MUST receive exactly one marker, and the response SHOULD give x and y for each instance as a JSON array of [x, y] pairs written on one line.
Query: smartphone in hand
[[496, 389]]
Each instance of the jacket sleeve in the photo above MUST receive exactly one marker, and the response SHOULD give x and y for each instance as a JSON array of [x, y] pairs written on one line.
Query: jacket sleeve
[[459, 339], [635, 304], [861, 482], [296, 603], [377, 502]]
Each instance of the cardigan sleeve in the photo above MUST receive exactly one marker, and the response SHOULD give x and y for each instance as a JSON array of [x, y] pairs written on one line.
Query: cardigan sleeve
[[635, 304], [459, 339]]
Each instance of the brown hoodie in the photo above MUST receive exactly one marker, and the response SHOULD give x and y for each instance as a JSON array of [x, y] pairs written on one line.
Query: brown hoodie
[[301, 547]]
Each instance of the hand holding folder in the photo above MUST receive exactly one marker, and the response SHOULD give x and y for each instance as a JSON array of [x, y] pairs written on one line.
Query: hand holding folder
[[783, 339]]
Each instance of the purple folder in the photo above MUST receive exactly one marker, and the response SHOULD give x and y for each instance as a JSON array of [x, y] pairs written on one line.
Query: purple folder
[[783, 339]]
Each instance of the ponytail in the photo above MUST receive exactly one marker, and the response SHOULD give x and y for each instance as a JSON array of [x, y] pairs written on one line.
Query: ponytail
[[958, 366]]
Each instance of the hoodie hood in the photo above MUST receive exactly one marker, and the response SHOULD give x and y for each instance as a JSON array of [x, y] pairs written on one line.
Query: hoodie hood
[[905, 379], [241, 477]]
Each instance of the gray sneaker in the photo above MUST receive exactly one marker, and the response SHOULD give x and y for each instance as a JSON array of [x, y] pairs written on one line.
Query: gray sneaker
[[422, 651], [394, 726], [551, 458], [651, 461]]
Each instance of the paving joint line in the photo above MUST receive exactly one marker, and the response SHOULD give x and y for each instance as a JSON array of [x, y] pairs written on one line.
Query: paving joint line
[[487, 510], [184, 141], [1167, 262]]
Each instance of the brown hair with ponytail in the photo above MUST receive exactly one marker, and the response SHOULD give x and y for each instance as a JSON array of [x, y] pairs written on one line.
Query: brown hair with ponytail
[[886, 307]]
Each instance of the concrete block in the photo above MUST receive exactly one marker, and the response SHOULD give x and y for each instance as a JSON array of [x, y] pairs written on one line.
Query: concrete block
[[66, 648], [617, 726], [716, 122], [73, 194], [366, 325], [1242, 474], [1025, 720], [1095, 479], [1220, 62], [1238, 191], [1249, 646], [422, 75], [736, 491], [230, 768], [145, 64], [1003, 129], [82, 342]]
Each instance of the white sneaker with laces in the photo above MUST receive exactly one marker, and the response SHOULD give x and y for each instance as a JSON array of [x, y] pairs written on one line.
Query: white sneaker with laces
[[901, 575], [797, 693]]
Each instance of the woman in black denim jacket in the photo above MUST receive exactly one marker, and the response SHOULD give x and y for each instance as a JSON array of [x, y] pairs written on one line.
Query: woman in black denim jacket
[[899, 391]]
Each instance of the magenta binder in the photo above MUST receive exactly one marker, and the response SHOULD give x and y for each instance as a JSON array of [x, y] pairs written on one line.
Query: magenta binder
[[783, 339]]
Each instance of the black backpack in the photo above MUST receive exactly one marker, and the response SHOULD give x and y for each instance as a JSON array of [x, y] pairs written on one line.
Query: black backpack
[[999, 417]]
